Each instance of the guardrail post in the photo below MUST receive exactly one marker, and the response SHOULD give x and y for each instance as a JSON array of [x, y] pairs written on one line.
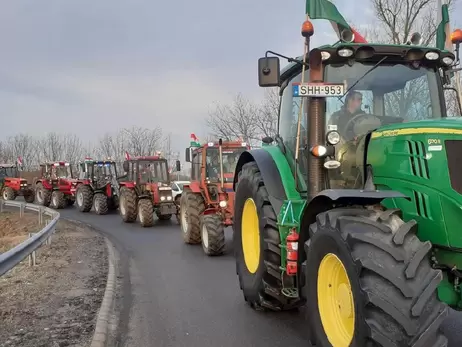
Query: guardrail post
[[1, 205], [40, 215], [21, 210], [32, 256]]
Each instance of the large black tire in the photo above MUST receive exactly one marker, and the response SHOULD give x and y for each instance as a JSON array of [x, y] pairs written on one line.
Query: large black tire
[[29, 196], [212, 234], [100, 204], [9, 193], [128, 205], [392, 282], [191, 208], [42, 195], [84, 197], [58, 200], [263, 288], [164, 216], [146, 213]]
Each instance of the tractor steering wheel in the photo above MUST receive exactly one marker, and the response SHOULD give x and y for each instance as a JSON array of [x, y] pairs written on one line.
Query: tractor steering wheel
[[370, 121]]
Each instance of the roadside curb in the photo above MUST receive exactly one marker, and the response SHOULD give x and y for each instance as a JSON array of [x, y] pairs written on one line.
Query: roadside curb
[[102, 322]]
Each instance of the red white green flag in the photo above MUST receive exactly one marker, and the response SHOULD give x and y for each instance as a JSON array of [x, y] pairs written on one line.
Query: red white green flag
[[324, 9]]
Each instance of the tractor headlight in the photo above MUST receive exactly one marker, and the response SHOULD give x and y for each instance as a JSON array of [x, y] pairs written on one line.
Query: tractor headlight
[[432, 55], [325, 55], [169, 198], [448, 61], [333, 137], [223, 204], [345, 52], [162, 198]]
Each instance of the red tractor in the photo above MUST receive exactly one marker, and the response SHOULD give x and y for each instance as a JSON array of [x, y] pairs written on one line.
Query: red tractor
[[97, 186], [206, 205], [147, 190], [12, 185], [55, 187]]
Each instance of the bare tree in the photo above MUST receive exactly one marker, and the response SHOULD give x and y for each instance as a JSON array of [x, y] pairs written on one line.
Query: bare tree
[[267, 120], [242, 119], [24, 146], [397, 20], [72, 148], [135, 141]]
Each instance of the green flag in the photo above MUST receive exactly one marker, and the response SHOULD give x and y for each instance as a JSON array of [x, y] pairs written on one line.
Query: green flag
[[443, 31], [324, 9]]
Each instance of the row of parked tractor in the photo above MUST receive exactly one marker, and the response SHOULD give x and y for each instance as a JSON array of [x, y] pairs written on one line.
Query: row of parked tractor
[[144, 189]]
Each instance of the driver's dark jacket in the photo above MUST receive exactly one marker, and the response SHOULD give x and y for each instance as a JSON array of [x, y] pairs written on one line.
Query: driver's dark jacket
[[341, 118]]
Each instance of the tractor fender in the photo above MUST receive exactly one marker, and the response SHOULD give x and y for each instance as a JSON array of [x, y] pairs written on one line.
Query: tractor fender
[[194, 187], [330, 198], [269, 172]]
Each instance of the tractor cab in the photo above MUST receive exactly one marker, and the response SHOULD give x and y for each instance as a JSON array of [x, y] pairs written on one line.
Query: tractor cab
[[56, 171], [98, 170], [8, 170]]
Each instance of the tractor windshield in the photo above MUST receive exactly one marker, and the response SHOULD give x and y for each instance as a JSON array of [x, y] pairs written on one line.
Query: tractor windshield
[[230, 157], [8, 172], [62, 171], [153, 171], [388, 94]]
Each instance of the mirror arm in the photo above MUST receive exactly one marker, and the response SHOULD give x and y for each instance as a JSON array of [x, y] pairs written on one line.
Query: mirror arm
[[290, 60]]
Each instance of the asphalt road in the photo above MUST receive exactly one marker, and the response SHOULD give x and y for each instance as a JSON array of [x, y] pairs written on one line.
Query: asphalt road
[[179, 297]]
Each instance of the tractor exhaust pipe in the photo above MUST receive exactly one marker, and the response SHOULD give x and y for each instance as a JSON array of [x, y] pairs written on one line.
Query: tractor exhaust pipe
[[316, 127], [220, 150]]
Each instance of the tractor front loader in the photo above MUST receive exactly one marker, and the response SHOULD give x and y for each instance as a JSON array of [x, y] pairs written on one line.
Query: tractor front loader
[[147, 190], [353, 213], [206, 205], [97, 186], [56, 185], [12, 185]]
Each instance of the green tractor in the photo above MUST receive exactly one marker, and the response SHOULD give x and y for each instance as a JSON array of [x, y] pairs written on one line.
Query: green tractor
[[356, 214]]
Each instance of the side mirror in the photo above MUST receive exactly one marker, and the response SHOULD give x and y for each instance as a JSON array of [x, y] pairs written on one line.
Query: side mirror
[[178, 166], [188, 155], [125, 166], [269, 73]]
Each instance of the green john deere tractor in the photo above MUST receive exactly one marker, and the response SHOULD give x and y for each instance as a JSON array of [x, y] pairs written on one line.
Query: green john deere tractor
[[355, 210]]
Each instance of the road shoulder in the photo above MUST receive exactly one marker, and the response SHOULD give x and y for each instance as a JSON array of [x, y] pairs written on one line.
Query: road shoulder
[[56, 302]]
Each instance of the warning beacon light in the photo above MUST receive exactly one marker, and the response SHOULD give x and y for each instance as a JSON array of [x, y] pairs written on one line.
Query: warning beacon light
[[307, 29]]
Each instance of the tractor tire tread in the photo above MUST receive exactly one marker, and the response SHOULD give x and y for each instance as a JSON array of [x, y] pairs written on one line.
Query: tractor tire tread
[[194, 204], [101, 204], [10, 193], [270, 296], [397, 280], [61, 200], [87, 194], [130, 200], [216, 234], [146, 213]]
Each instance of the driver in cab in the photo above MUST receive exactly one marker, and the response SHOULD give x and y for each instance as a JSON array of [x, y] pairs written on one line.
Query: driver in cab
[[213, 167], [352, 107]]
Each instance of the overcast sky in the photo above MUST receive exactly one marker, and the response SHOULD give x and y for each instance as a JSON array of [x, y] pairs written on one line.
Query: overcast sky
[[91, 67]]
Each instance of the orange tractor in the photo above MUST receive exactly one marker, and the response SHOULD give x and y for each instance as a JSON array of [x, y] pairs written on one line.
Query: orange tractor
[[12, 185], [206, 204]]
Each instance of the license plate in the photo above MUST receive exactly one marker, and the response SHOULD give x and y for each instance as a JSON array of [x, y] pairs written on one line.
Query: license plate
[[318, 89]]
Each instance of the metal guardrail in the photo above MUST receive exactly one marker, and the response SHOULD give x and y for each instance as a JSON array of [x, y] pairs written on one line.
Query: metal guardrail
[[14, 256]]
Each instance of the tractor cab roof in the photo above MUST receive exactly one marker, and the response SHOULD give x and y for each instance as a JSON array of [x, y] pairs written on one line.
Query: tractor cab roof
[[342, 53], [7, 166], [147, 158], [98, 162], [56, 163], [226, 144]]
